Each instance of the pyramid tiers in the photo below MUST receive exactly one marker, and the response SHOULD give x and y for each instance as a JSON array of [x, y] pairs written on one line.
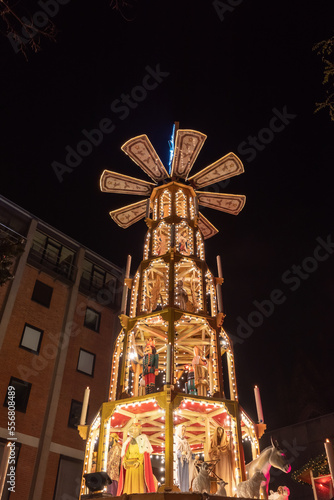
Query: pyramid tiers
[[172, 320]]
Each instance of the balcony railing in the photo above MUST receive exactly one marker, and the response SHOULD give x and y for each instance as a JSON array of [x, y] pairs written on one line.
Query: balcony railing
[[11, 235], [50, 262], [108, 294]]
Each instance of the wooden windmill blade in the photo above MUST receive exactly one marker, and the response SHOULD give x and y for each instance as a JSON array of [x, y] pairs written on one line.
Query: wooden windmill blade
[[188, 144], [230, 203], [144, 155], [113, 182], [227, 166], [207, 229], [126, 216]]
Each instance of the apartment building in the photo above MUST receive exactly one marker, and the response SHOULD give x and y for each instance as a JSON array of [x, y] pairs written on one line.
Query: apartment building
[[58, 321]]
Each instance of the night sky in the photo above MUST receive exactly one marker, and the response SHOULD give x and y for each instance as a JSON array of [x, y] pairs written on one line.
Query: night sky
[[246, 76]]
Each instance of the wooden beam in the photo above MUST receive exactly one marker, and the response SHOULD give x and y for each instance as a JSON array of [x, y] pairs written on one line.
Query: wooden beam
[[153, 331], [190, 332]]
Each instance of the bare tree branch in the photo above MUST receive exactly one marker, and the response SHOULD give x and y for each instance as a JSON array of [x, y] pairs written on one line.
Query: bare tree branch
[[325, 49], [25, 33]]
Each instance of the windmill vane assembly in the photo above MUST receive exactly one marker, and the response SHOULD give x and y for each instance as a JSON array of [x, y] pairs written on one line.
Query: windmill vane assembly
[[186, 147]]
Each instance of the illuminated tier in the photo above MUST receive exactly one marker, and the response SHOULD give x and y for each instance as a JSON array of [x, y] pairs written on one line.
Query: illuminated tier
[[175, 304]]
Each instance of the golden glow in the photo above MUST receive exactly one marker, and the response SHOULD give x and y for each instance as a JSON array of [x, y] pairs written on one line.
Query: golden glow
[[207, 229], [155, 286], [229, 203], [181, 204], [142, 152], [173, 301], [147, 245], [188, 293], [161, 239], [184, 239], [113, 182], [227, 166], [199, 246], [130, 214], [188, 144], [165, 204]]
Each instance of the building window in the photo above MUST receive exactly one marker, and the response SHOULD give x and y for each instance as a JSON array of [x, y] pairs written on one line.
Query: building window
[[42, 293], [75, 414], [86, 362], [22, 391], [99, 284], [31, 338], [92, 319], [68, 478]]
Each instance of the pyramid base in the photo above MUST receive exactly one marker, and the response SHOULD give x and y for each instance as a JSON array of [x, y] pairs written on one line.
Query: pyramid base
[[158, 496]]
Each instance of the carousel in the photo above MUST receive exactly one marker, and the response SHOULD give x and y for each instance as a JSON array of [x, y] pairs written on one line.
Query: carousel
[[173, 402]]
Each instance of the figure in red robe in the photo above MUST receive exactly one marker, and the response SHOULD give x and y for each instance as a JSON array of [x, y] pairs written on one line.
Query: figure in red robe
[[136, 474]]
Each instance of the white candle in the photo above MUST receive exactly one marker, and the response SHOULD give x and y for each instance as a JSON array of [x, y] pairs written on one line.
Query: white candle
[[168, 363], [128, 265], [125, 288], [84, 407], [219, 266], [258, 405], [313, 486], [219, 298], [330, 457], [4, 466]]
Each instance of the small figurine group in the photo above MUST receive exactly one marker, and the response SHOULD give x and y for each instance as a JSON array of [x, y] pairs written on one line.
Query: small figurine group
[[221, 461]]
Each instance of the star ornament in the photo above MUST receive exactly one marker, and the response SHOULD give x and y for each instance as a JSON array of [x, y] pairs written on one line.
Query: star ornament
[[186, 146]]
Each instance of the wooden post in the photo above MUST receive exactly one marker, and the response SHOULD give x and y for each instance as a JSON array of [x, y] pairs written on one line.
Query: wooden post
[[136, 372], [313, 486], [207, 438], [210, 375], [168, 363], [219, 287], [172, 236], [148, 209], [330, 458], [230, 368], [169, 434], [125, 288]]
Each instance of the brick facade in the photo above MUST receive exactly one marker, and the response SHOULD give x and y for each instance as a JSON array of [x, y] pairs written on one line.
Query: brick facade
[[76, 279]]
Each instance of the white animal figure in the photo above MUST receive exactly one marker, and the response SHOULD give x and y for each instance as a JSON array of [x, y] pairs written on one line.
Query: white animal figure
[[221, 491], [272, 456], [251, 487], [201, 483]]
